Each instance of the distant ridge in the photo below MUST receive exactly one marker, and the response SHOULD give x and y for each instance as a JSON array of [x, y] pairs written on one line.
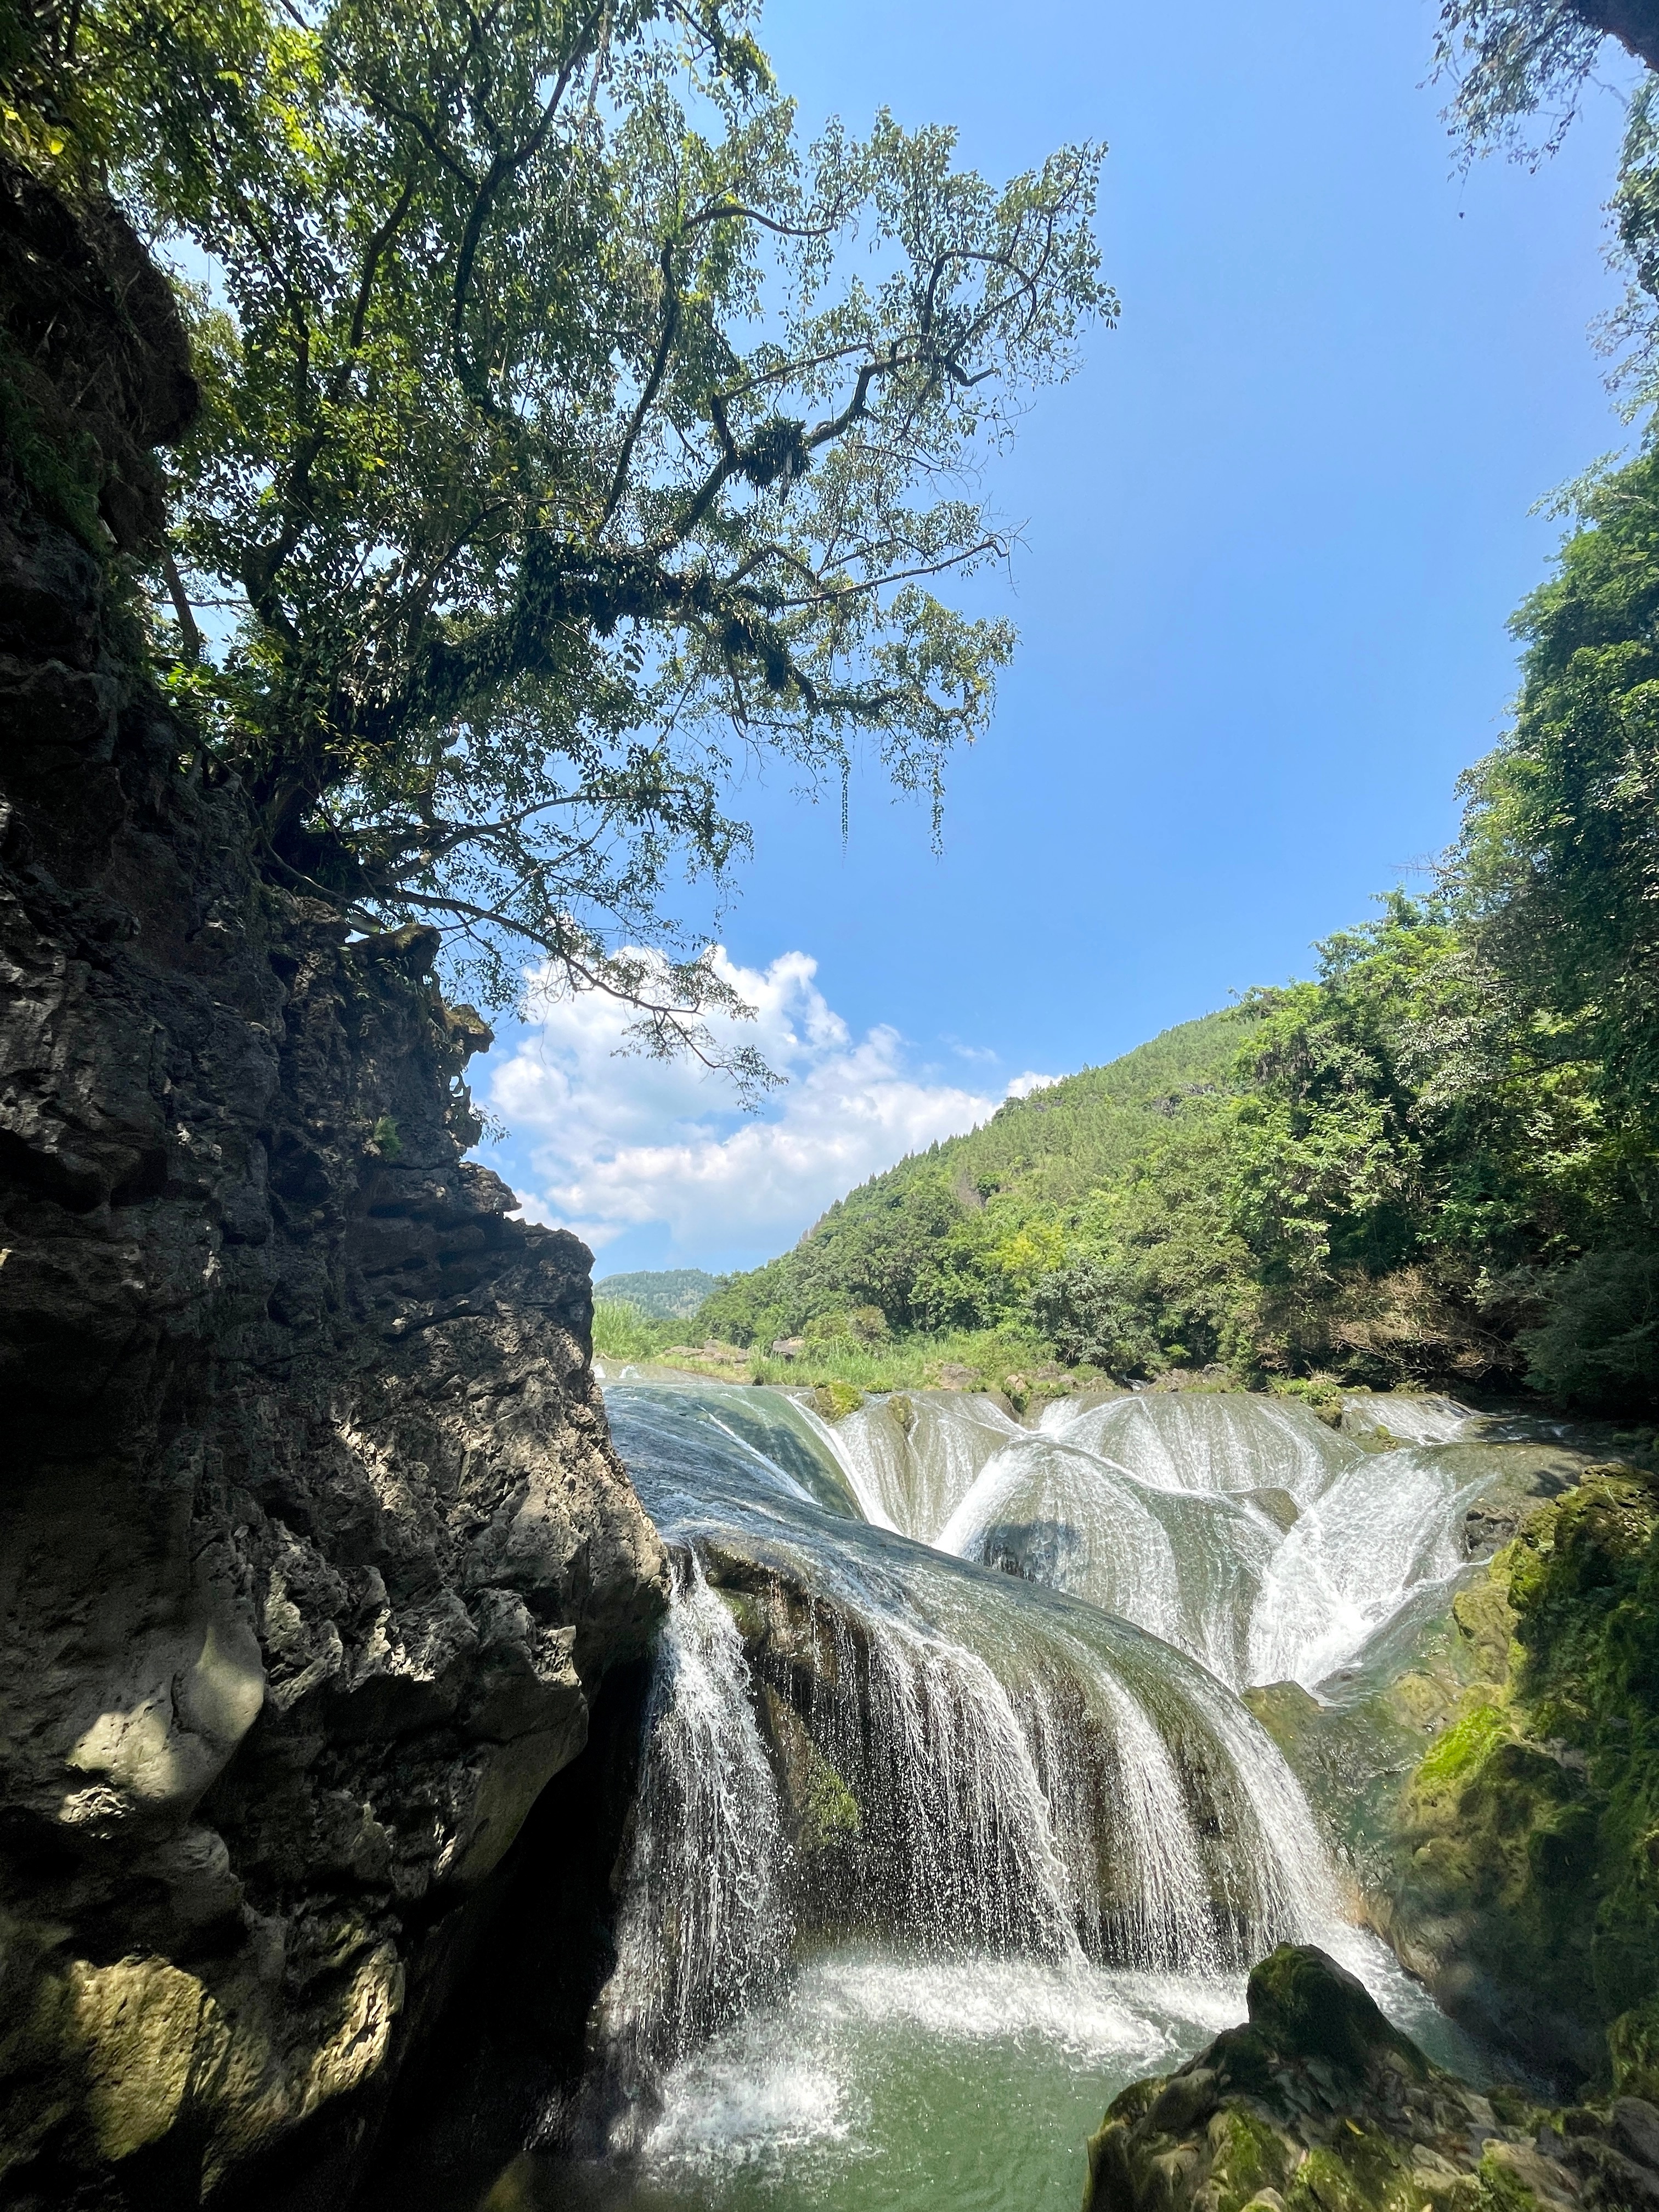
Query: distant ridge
[[661, 1294]]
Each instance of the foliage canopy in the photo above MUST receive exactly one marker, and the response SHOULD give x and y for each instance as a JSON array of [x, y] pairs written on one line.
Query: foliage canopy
[[573, 436]]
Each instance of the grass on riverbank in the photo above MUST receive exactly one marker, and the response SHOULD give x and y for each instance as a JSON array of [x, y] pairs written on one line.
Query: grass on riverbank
[[985, 1359], [1012, 1361]]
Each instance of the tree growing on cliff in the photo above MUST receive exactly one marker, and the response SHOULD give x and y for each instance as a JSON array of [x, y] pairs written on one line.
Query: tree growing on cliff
[[574, 436]]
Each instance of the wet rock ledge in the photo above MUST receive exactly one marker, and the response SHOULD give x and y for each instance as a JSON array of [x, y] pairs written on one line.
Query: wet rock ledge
[[1320, 2105], [314, 1546]]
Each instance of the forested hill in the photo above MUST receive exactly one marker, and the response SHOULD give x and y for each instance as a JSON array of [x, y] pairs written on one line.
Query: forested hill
[[1436, 1161], [959, 1235], [1063, 1141]]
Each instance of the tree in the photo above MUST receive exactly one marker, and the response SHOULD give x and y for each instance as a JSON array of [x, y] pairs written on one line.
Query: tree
[[1560, 847], [1509, 59], [573, 436]]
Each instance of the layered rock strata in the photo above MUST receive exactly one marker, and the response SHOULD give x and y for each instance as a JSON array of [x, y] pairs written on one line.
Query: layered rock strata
[[313, 1541]]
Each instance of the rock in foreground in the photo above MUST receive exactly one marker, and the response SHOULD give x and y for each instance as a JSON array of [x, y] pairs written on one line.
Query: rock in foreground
[[1320, 2105]]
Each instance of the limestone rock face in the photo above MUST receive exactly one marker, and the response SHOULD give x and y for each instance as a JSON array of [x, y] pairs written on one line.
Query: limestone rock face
[[1319, 2104], [313, 1543]]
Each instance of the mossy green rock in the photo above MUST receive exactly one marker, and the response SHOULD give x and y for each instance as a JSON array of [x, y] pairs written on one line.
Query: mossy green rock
[[1490, 1772], [1529, 1832], [834, 1401], [1321, 2105], [821, 1813], [1309, 2007]]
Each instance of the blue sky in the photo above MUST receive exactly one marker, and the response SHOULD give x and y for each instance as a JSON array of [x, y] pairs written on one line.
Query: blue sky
[[1273, 531]]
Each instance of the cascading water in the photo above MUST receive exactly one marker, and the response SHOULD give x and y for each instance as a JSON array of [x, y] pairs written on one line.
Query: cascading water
[[910, 1461], [1187, 1566], [1382, 1530], [1211, 1441], [946, 1769], [704, 1928], [1267, 1544]]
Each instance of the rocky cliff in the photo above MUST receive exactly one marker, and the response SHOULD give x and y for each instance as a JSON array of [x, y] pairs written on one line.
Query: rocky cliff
[[314, 1545]]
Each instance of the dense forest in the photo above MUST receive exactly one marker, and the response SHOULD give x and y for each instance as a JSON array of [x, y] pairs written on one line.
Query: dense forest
[[1435, 1160]]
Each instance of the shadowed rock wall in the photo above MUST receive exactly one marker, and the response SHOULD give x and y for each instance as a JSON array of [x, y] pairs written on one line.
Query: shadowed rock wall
[[314, 1544]]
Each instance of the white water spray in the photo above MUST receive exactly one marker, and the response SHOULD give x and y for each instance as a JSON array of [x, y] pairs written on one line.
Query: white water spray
[[1011, 1774], [704, 1928]]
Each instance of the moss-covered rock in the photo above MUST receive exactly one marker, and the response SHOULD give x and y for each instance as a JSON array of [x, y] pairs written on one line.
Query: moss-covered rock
[[811, 1665], [1307, 2006], [821, 1813], [1490, 1769], [1320, 2105], [836, 1400], [1529, 1840]]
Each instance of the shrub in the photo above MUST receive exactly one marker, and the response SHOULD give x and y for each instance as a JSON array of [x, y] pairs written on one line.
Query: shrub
[[1599, 1341]]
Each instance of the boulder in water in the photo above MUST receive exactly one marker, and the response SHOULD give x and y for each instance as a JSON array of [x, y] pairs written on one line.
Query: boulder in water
[[1321, 2105], [1309, 2007]]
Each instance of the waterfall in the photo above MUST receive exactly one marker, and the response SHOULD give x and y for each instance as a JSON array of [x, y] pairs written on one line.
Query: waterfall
[[911, 1461], [703, 1930], [969, 1861], [1154, 1920], [1211, 1441], [1056, 1820], [1381, 1532], [1268, 1547], [1186, 1565], [1286, 1891], [1016, 1740]]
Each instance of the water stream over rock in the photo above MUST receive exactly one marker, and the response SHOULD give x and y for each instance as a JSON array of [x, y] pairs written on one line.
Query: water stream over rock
[[951, 1818]]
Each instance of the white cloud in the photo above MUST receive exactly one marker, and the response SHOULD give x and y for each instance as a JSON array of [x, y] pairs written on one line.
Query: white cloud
[[616, 1142], [1024, 1086]]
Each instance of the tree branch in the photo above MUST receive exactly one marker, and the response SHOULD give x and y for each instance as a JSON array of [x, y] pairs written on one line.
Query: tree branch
[[181, 607], [1634, 23], [670, 317]]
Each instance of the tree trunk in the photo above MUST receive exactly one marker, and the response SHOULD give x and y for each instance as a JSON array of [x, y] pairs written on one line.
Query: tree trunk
[[1634, 23]]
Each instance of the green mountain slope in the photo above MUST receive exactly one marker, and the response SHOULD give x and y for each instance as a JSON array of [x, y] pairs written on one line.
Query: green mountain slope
[[956, 1236], [1437, 1160], [1407, 1170], [1063, 1141]]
